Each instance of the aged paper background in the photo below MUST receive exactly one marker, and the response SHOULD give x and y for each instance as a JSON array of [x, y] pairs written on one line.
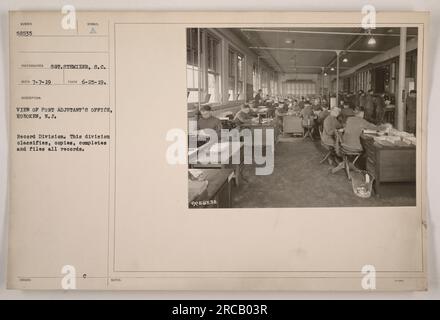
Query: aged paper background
[[259, 249]]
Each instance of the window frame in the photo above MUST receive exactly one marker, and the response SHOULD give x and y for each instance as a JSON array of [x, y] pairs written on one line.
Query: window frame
[[218, 73], [235, 53]]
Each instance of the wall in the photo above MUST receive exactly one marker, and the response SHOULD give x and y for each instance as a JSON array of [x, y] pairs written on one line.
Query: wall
[[317, 78], [391, 53]]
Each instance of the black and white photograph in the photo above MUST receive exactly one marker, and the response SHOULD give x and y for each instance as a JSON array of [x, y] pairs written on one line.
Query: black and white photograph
[[285, 117]]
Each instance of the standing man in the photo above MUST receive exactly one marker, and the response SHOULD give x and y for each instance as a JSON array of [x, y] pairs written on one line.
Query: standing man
[[411, 112], [379, 108], [360, 101], [301, 103], [369, 106]]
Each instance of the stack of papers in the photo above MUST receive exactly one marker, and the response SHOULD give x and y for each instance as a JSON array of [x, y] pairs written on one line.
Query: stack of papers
[[196, 173], [389, 139], [410, 140], [219, 147]]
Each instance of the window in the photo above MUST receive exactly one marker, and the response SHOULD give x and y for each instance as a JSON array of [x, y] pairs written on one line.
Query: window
[[273, 84], [193, 75], [231, 75], [235, 76], [299, 87], [203, 67], [240, 81], [264, 82], [214, 67], [255, 84]]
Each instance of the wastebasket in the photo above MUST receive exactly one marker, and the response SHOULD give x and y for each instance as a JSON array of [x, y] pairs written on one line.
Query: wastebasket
[[362, 183]]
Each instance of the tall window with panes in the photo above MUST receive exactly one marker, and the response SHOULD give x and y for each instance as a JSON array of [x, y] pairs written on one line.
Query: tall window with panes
[[214, 66], [193, 64], [255, 83], [235, 75]]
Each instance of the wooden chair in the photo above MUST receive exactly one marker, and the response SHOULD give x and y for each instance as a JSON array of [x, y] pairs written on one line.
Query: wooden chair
[[329, 147], [349, 156], [308, 125]]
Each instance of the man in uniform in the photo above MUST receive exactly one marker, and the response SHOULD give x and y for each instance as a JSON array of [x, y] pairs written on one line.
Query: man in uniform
[[411, 112], [369, 106]]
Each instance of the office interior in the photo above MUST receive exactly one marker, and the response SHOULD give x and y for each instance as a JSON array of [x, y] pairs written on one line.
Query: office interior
[[289, 81]]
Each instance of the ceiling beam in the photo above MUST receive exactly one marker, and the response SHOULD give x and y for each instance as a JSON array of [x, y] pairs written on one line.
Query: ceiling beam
[[349, 46], [259, 41], [326, 32], [320, 67], [315, 50]]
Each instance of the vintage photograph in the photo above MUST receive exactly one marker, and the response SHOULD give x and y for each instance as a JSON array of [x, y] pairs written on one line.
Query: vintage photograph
[[284, 117]]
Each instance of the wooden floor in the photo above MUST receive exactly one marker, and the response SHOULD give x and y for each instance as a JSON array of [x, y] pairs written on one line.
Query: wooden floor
[[299, 180]]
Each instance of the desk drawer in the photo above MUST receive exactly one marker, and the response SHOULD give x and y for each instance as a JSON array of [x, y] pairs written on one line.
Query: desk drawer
[[398, 165]]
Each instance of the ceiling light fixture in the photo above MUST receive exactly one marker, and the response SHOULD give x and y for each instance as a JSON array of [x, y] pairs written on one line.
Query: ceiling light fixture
[[332, 69], [345, 60], [371, 41], [325, 74], [289, 41]]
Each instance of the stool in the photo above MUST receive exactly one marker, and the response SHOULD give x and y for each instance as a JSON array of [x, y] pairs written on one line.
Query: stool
[[329, 147], [346, 163], [330, 150], [308, 126]]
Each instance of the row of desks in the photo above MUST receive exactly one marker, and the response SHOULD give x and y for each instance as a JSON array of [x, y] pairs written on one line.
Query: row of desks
[[221, 168]]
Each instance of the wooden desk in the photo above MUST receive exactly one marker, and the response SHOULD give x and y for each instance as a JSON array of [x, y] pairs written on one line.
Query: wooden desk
[[394, 163], [218, 192], [292, 124], [270, 125], [219, 160]]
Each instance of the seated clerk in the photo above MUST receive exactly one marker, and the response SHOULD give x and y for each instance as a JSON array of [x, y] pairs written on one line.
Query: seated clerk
[[295, 106], [331, 124], [208, 121], [308, 117], [302, 103], [259, 98], [268, 103], [323, 115], [411, 111], [317, 104], [244, 116], [346, 112], [254, 108], [354, 126], [284, 107], [307, 111], [341, 104]]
